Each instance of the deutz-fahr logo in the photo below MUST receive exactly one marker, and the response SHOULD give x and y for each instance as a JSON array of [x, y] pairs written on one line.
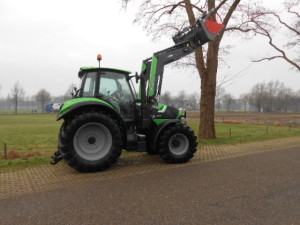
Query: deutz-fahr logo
[[155, 116]]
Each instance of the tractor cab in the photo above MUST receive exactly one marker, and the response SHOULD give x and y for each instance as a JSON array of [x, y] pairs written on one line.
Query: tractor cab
[[109, 85]]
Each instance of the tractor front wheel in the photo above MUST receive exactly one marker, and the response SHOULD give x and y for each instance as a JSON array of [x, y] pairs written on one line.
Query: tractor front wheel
[[177, 144], [90, 142]]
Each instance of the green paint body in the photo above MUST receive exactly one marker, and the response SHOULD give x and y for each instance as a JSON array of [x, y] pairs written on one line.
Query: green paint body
[[144, 67], [67, 106], [153, 77], [159, 121]]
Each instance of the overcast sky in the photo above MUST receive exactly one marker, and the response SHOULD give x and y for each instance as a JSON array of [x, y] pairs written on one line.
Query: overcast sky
[[44, 43]]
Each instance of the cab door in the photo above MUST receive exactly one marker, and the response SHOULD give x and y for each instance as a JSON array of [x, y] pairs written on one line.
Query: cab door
[[114, 87]]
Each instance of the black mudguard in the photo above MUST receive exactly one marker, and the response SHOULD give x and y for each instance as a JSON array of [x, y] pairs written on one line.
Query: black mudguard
[[157, 131]]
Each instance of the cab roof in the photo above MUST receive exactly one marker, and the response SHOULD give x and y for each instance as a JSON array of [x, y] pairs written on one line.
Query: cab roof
[[83, 70]]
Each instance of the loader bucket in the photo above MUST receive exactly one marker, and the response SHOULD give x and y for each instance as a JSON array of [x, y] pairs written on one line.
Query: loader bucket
[[213, 27], [203, 31], [209, 31]]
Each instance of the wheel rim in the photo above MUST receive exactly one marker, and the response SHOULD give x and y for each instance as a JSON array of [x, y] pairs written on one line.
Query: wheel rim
[[92, 141], [178, 144]]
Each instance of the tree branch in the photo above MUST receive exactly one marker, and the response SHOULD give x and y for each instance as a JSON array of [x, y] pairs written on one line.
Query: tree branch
[[174, 7], [221, 3], [189, 11], [265, 33], [226, 19], [198, 8], [285, 24], [268, 58]]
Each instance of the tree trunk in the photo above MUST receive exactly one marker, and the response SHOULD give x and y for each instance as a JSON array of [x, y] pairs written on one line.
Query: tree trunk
[[208, 93], [208, 76], [16, 106], [208, 72], [207, 107]]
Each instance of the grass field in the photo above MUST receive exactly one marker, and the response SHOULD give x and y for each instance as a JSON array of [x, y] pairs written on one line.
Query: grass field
[[26, 134], [31, 135], [240, 132]]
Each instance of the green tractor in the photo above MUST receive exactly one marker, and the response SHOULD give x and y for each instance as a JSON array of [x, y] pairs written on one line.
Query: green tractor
[[106, 115]]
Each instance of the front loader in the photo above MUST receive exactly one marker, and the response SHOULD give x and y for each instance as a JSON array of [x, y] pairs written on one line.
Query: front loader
[[106, 115]]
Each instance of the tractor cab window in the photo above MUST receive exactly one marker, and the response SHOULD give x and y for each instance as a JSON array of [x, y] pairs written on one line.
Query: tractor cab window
[[115, 89], [89, 85], [108, 87]]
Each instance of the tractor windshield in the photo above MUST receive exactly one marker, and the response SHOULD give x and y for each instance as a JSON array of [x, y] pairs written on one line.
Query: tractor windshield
[[113, 88]]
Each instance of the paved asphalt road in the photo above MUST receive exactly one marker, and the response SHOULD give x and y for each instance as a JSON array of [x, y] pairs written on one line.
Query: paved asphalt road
[[256, 189]]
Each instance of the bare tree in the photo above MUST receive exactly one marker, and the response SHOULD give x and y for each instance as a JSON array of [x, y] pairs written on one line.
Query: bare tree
[[258, 96], [166, 98], [165, 17], [16, 95], [69, 93], [181, 97], [297, 100], [219, 96], [194, 97], [42, 97], [271, 92], [285, 96], [272, 96], [228, 100], [245, 98]]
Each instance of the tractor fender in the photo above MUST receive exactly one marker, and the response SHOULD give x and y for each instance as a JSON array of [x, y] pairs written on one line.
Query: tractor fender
[[81, 106], [157, 131]]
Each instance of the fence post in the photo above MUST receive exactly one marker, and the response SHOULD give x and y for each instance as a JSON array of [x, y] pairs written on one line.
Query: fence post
[[230, 132], [5, 151], [267, 130]]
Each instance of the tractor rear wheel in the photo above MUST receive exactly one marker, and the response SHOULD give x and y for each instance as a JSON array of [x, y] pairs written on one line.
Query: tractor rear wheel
[[90, 142], [177, 143]]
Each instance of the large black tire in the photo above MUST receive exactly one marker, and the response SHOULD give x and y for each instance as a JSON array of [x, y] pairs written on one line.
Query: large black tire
[[90, 142], [177, 143], [151, 148]]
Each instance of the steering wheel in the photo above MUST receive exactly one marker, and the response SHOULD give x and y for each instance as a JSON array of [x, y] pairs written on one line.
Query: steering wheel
[[117, 95], [152, 100]]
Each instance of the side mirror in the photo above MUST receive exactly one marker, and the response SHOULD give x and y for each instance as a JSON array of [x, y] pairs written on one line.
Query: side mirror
[[73, 93]]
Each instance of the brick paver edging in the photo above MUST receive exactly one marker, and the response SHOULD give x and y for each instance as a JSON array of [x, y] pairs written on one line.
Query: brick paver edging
[[46, 177]]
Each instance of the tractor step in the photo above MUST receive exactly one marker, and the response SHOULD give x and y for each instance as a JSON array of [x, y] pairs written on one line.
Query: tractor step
[[139, 145]]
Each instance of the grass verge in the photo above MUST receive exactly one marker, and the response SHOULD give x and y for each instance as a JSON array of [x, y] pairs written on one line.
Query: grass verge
[[23, 162], [229, 133], [32, 138]]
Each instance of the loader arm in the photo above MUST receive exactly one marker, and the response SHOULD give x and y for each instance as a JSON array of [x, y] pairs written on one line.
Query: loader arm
[[186, 41], [162, 58]]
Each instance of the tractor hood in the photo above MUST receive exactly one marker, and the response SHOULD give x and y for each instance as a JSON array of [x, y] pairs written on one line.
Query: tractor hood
[[165, 113]]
